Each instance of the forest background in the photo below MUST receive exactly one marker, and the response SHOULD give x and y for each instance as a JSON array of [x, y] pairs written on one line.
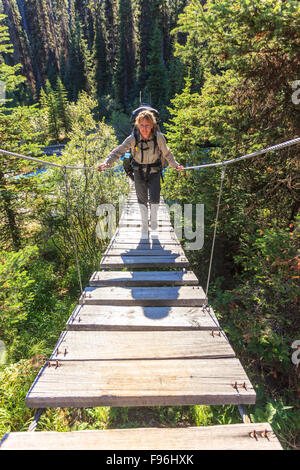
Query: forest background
[[225, 77]]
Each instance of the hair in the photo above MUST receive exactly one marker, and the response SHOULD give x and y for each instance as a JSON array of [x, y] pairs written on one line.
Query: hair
[[148, 116]]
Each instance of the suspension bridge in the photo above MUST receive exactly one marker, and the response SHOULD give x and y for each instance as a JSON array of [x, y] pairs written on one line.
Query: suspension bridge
[[143, 334]]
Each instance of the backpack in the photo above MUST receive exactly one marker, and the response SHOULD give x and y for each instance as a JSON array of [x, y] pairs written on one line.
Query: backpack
[[127, 162]]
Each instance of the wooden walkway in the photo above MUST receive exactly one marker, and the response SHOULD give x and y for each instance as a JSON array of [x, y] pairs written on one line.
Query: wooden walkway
[[143, 338]]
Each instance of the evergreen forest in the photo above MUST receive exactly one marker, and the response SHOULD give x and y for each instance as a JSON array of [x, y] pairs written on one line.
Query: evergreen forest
[[225, 77]]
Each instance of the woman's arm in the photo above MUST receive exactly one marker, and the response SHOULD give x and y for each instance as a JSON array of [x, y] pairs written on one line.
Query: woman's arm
[[117, 153], [166, 152]]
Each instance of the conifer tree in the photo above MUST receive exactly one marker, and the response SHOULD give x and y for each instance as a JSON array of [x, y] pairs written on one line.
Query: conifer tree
[[44, 38], [15, 136], [124, 85], [157, 84], [22, 51], [62, 106], [175, 76], [73, 80], [102, 72], [87, 66], [145, 28], [52, 108], [111, 36]]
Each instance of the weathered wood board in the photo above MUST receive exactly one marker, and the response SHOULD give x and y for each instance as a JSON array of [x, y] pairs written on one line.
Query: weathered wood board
[[142, 278], [136, 215], [180, 296], [134, 224], [145, 245], [141, 383], [175, 252], [221, 437], [152, 235], [136, 218], [163, 230], [141, 241], [113, 345], [138, 318], [144, 339], [116, 262]]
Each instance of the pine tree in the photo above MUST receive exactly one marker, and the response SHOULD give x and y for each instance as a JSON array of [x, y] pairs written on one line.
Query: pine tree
[[43, 36], [52, 108], [87, 66], [157, 84], [124, 83], [145, 28], [15, 136], [62, 106], [74, 80], [102, 73], [111, 36], [175, 76], [22, 51]]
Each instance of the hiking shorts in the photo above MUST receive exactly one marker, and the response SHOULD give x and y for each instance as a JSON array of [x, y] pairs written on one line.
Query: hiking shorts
[[147, 190]]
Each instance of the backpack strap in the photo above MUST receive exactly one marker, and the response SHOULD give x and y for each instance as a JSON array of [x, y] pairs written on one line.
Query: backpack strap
[[138, 140]]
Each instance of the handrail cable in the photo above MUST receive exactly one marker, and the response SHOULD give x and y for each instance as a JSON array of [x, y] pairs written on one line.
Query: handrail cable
[[38, 160], [249, 155], [226, 162], [222, 164]]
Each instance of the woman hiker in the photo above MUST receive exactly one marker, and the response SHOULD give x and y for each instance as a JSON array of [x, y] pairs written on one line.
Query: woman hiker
[[147, 145]]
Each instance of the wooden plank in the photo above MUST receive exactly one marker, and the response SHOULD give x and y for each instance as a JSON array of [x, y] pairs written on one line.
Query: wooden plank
[[136, 234], [220, 437], [153, 235], [144, 245], [134, 240], [117, 345], [120, 252], [139, 278], [180, 296], [160, 229], [163, 230], [135, 214], [135, 211], [138, 318], [134, 219], [132, 224], [141, 383], [143, 261]]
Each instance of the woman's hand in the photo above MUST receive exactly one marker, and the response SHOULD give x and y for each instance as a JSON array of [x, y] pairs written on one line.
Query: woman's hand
[[179, 168], [102, 166]]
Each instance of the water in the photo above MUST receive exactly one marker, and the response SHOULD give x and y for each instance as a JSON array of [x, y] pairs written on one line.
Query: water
[[33, 173]]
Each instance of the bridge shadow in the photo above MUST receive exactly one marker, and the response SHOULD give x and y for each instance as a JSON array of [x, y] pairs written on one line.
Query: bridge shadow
[[146, 246], [157, 249], [154, 247]]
